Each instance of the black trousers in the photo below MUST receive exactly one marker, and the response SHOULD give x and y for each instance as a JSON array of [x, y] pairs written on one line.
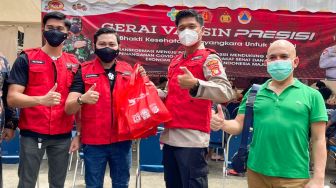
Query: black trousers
[[185, 167]]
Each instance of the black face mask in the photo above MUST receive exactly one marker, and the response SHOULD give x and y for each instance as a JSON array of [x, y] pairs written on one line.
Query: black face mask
[[54, 37], [106, 54]]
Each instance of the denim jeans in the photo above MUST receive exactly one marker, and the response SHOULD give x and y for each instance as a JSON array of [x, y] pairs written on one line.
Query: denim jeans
[[117, 155]]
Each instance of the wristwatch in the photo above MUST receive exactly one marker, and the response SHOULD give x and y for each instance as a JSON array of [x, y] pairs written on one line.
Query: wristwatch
[[196, 85], [79, 100]]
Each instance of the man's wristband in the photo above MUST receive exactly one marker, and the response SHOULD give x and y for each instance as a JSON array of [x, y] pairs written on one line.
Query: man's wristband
[[79, 100], [194, 89], [196, 85]]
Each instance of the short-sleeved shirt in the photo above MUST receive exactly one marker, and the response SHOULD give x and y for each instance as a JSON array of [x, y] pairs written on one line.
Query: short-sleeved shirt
[[280, 143], [19, 73]]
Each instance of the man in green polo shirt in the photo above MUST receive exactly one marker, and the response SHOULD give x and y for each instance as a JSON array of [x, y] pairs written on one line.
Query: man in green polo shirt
[[287, 114]]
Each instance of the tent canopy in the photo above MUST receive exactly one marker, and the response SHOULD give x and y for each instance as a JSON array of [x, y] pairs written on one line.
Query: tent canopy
[[20, 12], [273, 5], [23, 15]]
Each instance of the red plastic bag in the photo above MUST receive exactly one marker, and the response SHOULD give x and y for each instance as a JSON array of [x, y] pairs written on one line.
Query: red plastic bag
[[140, 108]]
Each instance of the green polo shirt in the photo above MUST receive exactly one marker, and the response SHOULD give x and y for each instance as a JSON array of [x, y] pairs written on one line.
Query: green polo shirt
[[280, 143]]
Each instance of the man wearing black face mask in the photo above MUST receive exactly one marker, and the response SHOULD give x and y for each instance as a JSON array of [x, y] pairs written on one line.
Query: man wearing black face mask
[[39, 84], [93, 91], [77, 43]]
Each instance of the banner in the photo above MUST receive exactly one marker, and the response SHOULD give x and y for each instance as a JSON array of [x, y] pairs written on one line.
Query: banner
[[241, 36]]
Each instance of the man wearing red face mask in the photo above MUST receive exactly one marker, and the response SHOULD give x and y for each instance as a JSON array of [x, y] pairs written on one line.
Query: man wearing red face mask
[[39, 84], [93, 91], [287, 114], [195, 77]]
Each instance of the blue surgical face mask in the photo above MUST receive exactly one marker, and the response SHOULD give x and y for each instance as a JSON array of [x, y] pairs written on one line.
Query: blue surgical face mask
[[280, 69]]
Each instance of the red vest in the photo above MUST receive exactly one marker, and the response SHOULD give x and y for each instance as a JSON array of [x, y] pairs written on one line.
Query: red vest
[[43, 73], [188, 112], [99, 124]]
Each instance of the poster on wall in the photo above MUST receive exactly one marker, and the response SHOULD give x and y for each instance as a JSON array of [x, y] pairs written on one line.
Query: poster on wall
[[241, 36]]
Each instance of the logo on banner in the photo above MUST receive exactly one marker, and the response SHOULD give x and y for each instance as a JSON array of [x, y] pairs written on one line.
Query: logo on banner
[[172, 14], [244, 17], [225, 18], [55, 5], [207, 16], [79, 6]]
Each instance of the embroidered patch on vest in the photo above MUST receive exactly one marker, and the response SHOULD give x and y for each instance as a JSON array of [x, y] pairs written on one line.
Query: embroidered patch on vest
[[126, 73], [196, 58], [70, 65], [37, 62], [91, 75], [213, 66]]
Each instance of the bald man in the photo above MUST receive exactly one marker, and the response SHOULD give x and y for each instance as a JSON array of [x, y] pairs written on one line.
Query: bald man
[[287, 114]]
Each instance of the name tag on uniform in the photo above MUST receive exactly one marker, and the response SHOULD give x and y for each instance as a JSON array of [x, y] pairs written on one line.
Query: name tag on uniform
[[91, 75], [196, 58], [37, 62]]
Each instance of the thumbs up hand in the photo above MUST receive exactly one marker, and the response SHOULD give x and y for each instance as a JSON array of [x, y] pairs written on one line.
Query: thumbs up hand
[[186, 80], [91, 96], [52, 98], [217, 120]]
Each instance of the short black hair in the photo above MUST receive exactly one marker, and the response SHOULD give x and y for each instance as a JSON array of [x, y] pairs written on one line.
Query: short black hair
[[105, 30], [163, 79], [320, 84], [189, 13], [325, 92], [58, 16]]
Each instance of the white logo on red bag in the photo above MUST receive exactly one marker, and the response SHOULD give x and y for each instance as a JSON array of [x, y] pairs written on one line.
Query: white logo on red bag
[[131, 102], [154, 108], [136, 118], [145, 114]]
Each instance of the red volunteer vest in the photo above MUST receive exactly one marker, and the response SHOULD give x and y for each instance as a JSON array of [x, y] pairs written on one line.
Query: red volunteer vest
[[99, 124], [188, 112], [42, 76]]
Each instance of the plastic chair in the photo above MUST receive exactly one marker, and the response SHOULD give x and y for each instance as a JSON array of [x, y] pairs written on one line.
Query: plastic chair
[[218, 138], [233, 109], [73, 134], [231, 148], [332, 152], [217, 141], [80, 159], [149, 156]]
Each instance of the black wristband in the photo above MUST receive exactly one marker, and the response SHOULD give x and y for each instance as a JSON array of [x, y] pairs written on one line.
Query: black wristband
[[193, 90], [79, 100]]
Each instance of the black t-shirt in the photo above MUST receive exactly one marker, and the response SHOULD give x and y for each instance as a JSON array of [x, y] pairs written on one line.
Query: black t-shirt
[[78, 83], [19, 71]]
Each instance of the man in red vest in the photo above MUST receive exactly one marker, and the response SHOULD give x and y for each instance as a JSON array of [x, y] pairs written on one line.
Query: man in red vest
[[39, 84], [195, 78], [94, 91]]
